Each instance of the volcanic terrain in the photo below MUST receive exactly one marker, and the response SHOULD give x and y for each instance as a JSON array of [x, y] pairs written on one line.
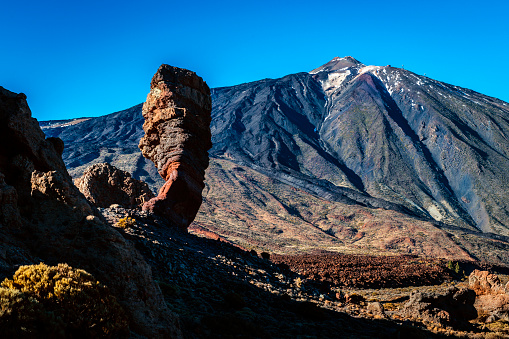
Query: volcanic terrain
[[346, 158]]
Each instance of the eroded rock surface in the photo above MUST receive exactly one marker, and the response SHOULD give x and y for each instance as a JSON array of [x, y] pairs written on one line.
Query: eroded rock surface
[[177, 138], [492, 296], [104, 185], [453, 307], [484, 282], [47, 218]]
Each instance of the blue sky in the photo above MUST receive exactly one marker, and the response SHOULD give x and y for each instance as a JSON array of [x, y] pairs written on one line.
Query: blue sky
[[90, 58]]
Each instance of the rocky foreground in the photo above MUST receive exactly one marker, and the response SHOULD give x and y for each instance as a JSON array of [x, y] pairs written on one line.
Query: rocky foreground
[[221, 291], [45, 218], [174, 284]]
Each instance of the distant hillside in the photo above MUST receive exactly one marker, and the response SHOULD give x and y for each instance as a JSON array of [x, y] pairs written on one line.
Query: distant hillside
[[61, 123], [348, 157]]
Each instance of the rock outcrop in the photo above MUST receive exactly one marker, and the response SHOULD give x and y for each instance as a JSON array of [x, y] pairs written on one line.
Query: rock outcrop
[[177, 138], [104, 185], [453, 307], [492, 299], [46, 218], [484, 282]]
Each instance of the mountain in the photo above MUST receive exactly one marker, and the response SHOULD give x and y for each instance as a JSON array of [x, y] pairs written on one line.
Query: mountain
[[436, 149], [347, 157]]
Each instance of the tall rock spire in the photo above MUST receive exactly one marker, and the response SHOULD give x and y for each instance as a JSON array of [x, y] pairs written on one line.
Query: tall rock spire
[[177, 138]]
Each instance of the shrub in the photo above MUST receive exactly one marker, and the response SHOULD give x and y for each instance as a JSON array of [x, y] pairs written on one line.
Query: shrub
[[126, 222], [23, 316], [298, 283], [457, 268], [355, 298], [454, 266], [66, 301]]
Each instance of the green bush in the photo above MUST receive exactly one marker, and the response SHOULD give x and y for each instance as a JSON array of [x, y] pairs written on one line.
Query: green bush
[[454, 266], [60, 300]]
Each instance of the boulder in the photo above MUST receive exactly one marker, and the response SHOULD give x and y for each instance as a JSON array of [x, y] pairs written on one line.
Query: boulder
[[496, 305], [46, 218], [484, 282], [376, 308], [177, 138], [104, 185], [453, 307], [492, 300]]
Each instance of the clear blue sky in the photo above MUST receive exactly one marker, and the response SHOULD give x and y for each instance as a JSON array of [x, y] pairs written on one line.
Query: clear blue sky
[[89, 58]]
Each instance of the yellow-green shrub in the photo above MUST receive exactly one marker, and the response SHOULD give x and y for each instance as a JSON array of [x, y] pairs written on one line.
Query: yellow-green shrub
[[126, 222], [22, 316], [77, 304]]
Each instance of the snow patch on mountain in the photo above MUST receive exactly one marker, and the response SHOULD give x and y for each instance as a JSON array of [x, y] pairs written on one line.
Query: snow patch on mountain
[[372, 69], [334, 81]]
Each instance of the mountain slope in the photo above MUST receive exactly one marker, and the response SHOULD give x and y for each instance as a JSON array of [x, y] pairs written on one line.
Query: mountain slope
[[387, 132], [345, 134], [457, 140]]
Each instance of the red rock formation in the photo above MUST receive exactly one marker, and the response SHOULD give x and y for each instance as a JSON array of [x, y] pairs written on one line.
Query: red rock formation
[[46, 217], [177, 138], [104, 185]]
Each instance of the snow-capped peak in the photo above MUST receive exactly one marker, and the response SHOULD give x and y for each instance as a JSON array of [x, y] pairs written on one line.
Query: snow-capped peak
[[337, 64]]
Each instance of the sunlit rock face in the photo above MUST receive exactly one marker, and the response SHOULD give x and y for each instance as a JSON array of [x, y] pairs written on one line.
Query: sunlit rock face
[[177, 138], [104, 185]]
